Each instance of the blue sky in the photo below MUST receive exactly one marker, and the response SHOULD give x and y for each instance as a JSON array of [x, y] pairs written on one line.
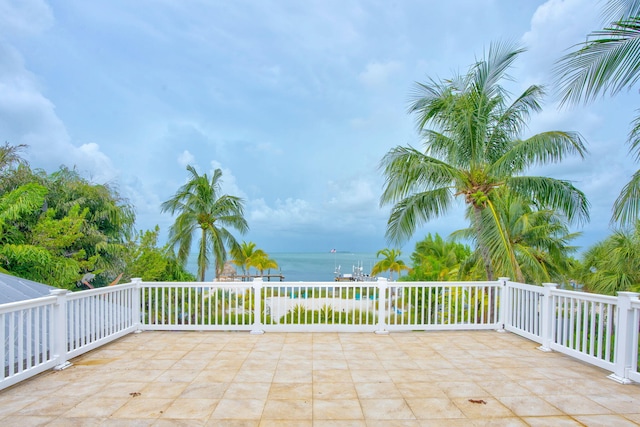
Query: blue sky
[[296, 101]]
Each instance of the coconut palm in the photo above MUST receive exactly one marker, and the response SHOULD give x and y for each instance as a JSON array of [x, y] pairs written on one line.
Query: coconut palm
[[608, 62], [201, 208], [538, 246], [263, 262], [437, 259], [472, 147], [390, 263], [243, 255], [613, 265]]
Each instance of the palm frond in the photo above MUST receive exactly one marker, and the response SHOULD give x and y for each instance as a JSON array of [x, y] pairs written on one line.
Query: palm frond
[[553, 194], [541, 149], [606, 63], [415, 210], [626, 208]]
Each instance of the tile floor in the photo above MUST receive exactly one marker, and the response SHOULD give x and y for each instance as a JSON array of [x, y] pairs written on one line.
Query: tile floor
[[322, 379]]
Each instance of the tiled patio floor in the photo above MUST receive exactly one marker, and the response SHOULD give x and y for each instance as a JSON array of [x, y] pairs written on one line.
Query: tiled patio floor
[[322, 379]]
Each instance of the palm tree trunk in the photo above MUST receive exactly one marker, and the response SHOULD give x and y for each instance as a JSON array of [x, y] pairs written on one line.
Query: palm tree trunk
[[484, 251]]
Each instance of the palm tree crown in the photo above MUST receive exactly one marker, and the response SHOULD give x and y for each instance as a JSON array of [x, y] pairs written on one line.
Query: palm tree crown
[[472, 146], [201, 206], [389, 263]]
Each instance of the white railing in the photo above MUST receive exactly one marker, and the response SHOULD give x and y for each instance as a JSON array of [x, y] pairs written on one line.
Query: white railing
[[45, 333], [319, 306], [26, 331]]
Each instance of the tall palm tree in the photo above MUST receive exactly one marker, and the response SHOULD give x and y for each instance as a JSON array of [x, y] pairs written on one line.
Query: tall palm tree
[[201, 208], [389, 263], [608, 62], [472, 146]]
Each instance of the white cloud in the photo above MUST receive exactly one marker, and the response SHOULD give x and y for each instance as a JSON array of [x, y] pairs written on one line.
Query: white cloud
[[379, 73], [186, 158], [24, 17]]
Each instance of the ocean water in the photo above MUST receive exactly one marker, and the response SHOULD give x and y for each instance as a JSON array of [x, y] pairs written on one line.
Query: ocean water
[[312, 267]]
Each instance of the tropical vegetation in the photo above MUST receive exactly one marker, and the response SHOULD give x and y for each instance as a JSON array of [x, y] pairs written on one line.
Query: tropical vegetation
[[437, 259], [473, 148], [203, 210], [537, 248], [247, 256], [390, 262]]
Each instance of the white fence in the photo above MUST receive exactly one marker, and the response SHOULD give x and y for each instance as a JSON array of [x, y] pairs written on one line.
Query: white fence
[[45, 333]]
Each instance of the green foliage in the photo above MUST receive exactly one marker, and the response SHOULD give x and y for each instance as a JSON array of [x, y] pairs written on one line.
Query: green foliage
[[389, 263], [55, 228], [526, 244], [612, 265], [40, 265], [151, 263], [436, 259], [472, 147]]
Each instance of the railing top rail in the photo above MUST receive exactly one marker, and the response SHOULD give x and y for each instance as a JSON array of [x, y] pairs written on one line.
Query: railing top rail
[[334, 284], [525, 287], [31, 303], [99, 291], [584, 296]]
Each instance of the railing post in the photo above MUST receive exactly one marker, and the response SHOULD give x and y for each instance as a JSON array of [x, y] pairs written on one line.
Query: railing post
[[547, 316], [625, 328], [503, 299], [257, 312], [136, 309], [59, 329], [382, 303]]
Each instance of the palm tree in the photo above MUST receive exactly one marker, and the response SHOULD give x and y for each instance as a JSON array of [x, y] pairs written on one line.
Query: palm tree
[[10, 155], [243, 255], [436, 259], [537, 248], [263, 262], [201, 206], [390, 263], [608, 62], [613, 265], [474, 148]]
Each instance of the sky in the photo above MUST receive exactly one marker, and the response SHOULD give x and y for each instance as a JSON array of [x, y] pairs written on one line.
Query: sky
[[295, 101]]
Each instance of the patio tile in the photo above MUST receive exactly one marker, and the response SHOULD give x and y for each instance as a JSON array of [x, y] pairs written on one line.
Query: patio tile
[[576, 404], [334, 379], [334, 390], [239, 409], [605, 421], [557, 421], [290, 391], [142, 407], [330, 409], [433, 407], [184, 408], [377, 391], [288, 410], [529, 406], [247, 391], [386, 409]]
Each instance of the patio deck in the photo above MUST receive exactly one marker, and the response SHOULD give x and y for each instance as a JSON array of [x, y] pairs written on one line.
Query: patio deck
[[453, 378]]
